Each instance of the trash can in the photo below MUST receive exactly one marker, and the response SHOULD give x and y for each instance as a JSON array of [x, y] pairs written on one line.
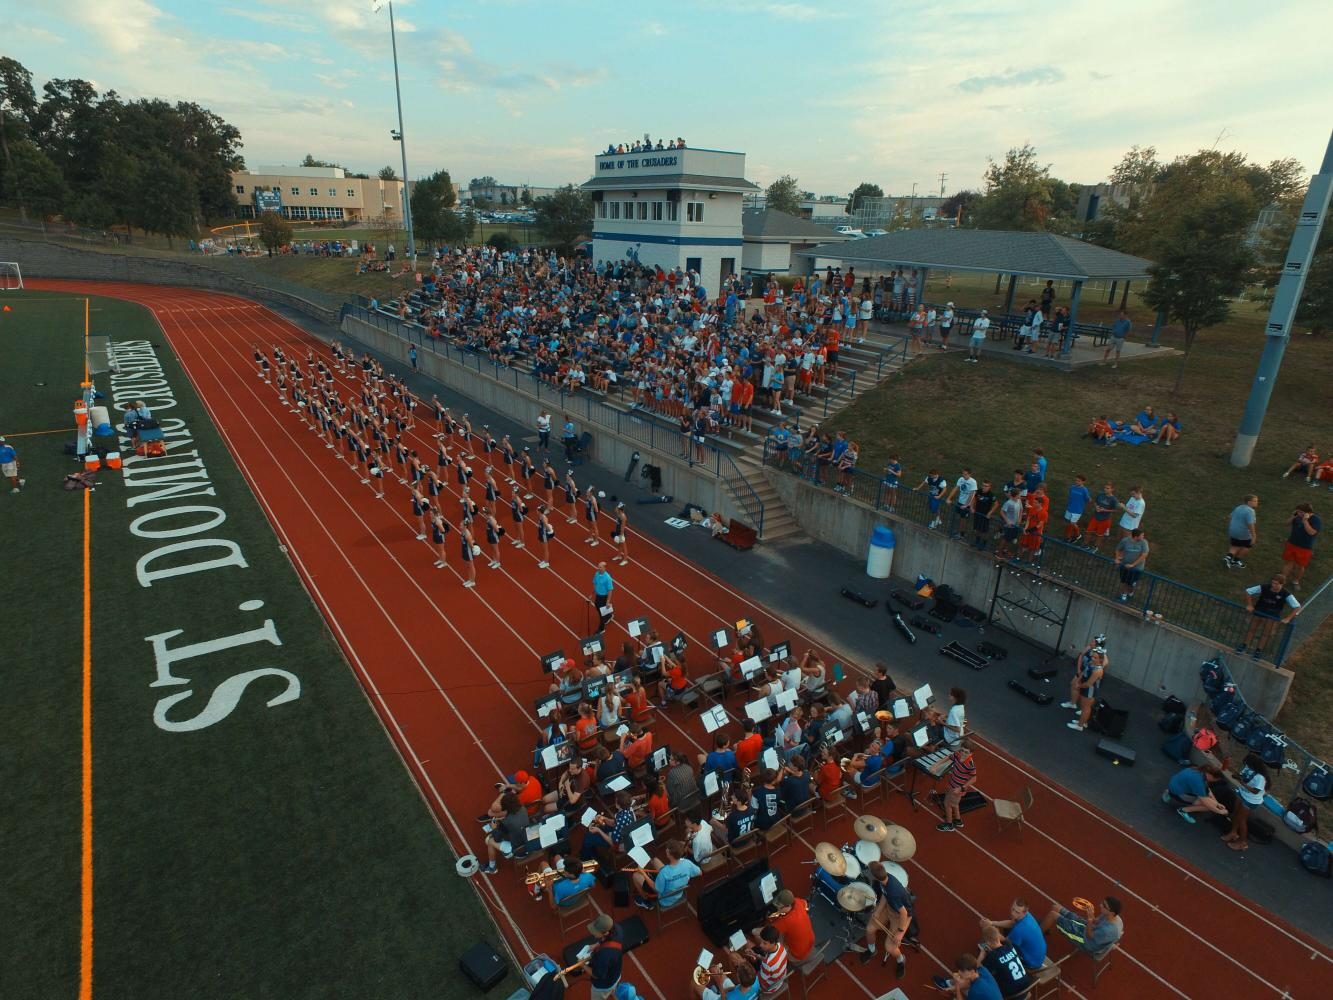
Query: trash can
[[879, 560]]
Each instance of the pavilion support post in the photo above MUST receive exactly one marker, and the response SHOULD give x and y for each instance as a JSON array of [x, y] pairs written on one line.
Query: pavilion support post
[[1157, 328], [998, 278], [1124, 296], [1009, 296], [1110, 299], [1074, 300]]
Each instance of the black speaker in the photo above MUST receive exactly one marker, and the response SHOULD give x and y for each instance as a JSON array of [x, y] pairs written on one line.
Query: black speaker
[[1042, 673], [1116, 753], [483, 965]]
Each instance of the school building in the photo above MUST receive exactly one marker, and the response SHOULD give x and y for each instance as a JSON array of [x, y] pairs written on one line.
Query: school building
[[670, 208], [304, 194]]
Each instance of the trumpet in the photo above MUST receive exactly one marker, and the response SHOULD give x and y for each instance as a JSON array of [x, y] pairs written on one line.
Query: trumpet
[[545, 878]]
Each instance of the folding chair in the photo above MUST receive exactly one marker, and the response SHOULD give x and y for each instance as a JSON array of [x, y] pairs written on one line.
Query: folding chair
[[716, 864], [1045, 981], [812, 970], [744, 848], [1100, 962], [677, 911], [1008, 811], [802, 819], [576, 906], [776, 833]]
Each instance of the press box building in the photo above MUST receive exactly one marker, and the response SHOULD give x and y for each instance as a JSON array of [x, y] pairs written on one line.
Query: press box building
[[670, 208]]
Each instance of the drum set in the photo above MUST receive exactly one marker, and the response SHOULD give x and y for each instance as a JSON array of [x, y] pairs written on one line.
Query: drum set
[[842, 873]]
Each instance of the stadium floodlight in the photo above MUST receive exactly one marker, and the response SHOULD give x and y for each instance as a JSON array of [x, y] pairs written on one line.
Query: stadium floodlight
[[398, 133]]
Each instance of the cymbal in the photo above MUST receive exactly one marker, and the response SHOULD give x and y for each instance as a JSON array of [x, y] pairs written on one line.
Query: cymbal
[[884, 716], [829, 857], [856, 897], [899, 845], [870, 828]]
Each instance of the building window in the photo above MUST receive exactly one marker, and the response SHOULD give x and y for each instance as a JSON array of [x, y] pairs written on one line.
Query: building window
[[657, 211], [296, 191], [247, 211], [643, 211], [333, 192], [314, 192], [351, 192], [694, 211], [240, 189], [615, 209], [673, 211], [601, 210], [295, 211], [629, 209], [335, 213]]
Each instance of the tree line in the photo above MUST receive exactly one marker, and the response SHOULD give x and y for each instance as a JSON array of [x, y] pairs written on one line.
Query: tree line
[[101, 161]]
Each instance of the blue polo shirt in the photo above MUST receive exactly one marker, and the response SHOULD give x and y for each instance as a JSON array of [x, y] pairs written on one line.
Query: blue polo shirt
[[563, 888], [7, 454], [1188, 782], [1026, 936], [602, 584], [720, 760]]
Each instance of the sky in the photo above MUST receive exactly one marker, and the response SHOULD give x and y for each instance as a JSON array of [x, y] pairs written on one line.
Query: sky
[[895, 93]]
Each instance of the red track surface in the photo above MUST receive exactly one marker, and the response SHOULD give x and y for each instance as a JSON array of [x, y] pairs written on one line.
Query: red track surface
[[453, 674]]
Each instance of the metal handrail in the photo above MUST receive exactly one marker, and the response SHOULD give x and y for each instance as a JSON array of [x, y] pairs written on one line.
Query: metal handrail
[[744, 493], [1157, 598]]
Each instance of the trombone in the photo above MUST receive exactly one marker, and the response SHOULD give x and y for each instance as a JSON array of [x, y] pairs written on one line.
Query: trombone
[[545, 878]]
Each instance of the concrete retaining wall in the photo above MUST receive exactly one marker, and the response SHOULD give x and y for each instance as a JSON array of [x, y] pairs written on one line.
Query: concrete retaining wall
[[51, 260], [1159, 659], [610, 450]]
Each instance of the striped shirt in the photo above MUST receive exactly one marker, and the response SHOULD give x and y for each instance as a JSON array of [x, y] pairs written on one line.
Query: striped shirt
[[964, 770], [773, 969]]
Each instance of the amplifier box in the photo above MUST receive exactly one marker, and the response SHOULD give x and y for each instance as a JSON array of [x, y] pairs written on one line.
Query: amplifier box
[[1116, 753], [483, 965], [1042, 673]]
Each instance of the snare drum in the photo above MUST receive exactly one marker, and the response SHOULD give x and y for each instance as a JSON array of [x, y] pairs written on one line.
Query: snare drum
[[867, 893], [866, 852], [853, 865]]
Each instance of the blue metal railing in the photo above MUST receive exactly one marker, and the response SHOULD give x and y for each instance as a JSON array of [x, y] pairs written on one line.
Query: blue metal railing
[[641, 426], [1155, 598]]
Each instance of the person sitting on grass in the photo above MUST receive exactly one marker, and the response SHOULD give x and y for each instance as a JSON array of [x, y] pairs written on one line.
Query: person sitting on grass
[[1190, 786], [1145, 423], [1093, 929], [1168, 430], [1305, 463], [1100, 430]]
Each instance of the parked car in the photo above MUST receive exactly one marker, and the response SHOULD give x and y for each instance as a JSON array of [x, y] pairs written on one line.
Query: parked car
[[851, 231], [877, 232]]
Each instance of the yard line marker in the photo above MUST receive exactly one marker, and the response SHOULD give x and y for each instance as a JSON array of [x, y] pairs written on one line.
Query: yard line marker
[[86, 851]]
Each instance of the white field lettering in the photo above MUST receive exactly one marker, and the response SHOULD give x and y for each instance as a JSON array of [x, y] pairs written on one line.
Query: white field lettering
[[183, 539]]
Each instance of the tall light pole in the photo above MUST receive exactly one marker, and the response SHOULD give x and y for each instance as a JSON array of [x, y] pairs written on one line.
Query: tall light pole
[[398, 137], [1283, 312]]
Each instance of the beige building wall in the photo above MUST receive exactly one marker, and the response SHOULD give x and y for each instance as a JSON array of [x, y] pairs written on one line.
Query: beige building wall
[[319, 194]]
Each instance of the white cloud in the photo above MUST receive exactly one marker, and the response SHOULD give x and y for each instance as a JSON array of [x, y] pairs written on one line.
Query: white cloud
[[122, 25]]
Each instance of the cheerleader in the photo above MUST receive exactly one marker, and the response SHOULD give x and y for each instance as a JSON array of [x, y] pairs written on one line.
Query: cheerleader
[[572, 497], [591, 508], [518, 510], [278, 355], [421, 511], [620, 534], [410, 401], [261, 362], [465, 430], [494, 532], [439, 530], [470, 548], [544, 535], [400, 455], [506, 450], [442, 456], [492, 491], [527, 468], [463, 472], [362, 457], [434, 487], [442, 418], [281, 385], [548, 482], [416, 468], [488, 439], [469, 507]]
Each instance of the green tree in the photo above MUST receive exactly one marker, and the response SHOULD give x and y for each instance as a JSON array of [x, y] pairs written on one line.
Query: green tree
[[33, 180], [502, 241], [526, 197], [432, 200], [1194, 226], [564, 217], [274, 231], [784, 194], [459, 227], [310, 161], [165, 198], [1018, 193], [863, 190], [107, 202], [960, 205], [18, 104], [1315, 310], [387, 173], [482, 182]]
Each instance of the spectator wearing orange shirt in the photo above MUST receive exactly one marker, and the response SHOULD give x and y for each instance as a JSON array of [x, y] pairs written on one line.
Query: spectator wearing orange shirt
[[750, 746], [527, 789], [585, 729], [828, 778], [674, 682], [637, 701], [792, 920], [636, 745], [1037, 509]]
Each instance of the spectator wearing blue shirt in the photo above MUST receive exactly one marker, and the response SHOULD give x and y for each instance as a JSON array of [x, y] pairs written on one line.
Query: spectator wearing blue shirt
[[1119, 331], [721, 759], [9, 466], [1190, 786], [1039, 457], [602, 585], [936, 486], [570, 884], [667, 883], [1079, 498], [1023, 932], [969, 980], [1032, 478]]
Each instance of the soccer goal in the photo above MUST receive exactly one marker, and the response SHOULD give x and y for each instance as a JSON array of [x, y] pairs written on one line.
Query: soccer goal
[[11, 276]]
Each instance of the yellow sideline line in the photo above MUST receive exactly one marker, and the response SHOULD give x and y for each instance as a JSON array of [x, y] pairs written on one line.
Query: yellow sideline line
[[86, 881], [28, 434]]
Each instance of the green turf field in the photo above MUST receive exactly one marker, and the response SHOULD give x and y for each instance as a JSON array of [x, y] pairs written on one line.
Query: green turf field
[[279, 851]]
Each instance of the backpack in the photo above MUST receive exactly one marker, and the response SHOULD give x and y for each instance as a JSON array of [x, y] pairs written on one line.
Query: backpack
[[1178, 748], [1259, 734], [1213, 676], [1231, 712], [1172, 705], [1243, 726], [1315, 858], [1318, 783], [1171, 723], [1204, 739], [1274, 750], [1301, 815]]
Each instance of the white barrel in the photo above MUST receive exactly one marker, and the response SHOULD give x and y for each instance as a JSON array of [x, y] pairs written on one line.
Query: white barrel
[[100, 415], [879, 560]]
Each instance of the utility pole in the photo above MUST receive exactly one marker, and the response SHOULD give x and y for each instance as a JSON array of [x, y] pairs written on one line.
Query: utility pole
[[1283, 312], [943, 177], [402, 142]]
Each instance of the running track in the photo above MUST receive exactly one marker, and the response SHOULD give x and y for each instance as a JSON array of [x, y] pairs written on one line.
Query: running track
[[453, 674]]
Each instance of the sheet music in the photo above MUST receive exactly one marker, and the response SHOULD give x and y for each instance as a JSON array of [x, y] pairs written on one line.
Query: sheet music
[[551, 756], [920, 736], [639, 856], [923, 696], [548, 835], [751, 666], [768, 886], [545, 708], [641, 836], [770, 759], [711, 785], [705, 959], [786, 700], [737, 941], [714, 718], [901, 709], [657, 651], [864, 719], [637, 627], [588, 816], [719, 637], [758, 709], [618, 783]]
